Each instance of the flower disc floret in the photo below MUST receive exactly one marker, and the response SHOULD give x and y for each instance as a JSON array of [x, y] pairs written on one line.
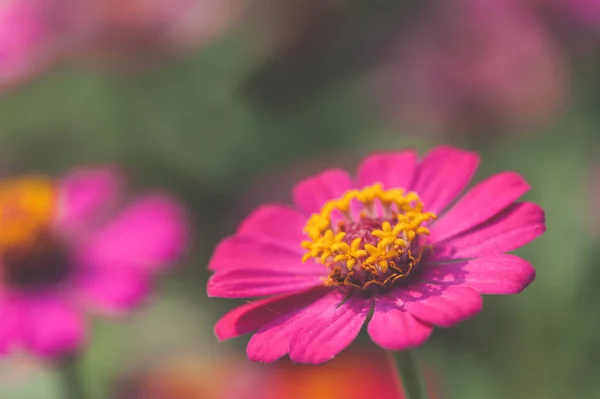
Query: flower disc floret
[[27, 209], [368, 236]]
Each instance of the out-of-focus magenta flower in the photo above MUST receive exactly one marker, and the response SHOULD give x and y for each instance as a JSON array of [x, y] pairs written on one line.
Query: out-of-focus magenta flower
[[352, 247], [578, 20], [195, 377], [123, 29], [469, 64], [71, 244], [27, 39], [36, 33], [587, 11]]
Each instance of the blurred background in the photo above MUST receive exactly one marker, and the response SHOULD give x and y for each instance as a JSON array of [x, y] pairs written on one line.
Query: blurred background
[[227, 103]]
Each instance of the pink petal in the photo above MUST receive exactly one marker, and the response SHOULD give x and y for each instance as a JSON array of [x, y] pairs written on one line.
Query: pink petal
[[113, 291], [51, 327], [392, 327], [498, 274], [482, 202], [84, 193], [443, 306], [239, 252], [442, 175], [326, 332], [148, 235], [394, 169], [254, 282], [514, 227], [9, 325], [312, 193], [253, 315], [275, 224], [273, 341]]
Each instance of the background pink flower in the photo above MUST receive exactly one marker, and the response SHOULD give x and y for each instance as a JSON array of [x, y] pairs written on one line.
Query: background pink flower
[[27, 38], [117, 30], [412, 274], [581, 15], [74, 243], [38, 33], [471, 64], [587, 11]]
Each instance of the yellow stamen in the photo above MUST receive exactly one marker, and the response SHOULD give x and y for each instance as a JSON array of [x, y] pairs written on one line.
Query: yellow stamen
[[380, 256], [348, 253], [403, 219], [27, 209], [389, 236]]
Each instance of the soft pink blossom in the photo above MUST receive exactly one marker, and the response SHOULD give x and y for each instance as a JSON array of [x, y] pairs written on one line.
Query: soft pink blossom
[[467, 65], [310, 314], [35, 34], [117, 30], [577, 21], [583, 11], [98, 252], [27, 38]]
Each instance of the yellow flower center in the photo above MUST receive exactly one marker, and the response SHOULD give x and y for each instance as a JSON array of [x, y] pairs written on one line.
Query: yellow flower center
[[27, 208], [31, 254], [369, 236]]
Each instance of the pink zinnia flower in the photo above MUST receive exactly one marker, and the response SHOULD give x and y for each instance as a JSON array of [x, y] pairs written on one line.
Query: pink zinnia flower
[[73, 243], [379, 245]]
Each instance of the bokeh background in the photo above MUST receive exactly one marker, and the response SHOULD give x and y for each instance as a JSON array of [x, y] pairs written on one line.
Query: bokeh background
[[227, 103]]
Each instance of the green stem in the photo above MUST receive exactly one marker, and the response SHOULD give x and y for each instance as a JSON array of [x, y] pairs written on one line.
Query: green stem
[[71, 378], [412, 380]]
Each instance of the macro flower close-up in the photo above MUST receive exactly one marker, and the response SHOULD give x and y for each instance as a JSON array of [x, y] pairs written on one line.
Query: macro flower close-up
[[74, 244], [391, 247], [300, 199]]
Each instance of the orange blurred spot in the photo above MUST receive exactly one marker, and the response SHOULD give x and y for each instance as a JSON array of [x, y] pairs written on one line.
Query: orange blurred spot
[[27, 208]]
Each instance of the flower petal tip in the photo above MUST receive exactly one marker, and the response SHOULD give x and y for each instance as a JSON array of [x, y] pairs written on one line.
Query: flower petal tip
[[210, 289], [219, 333], [529, 275]]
